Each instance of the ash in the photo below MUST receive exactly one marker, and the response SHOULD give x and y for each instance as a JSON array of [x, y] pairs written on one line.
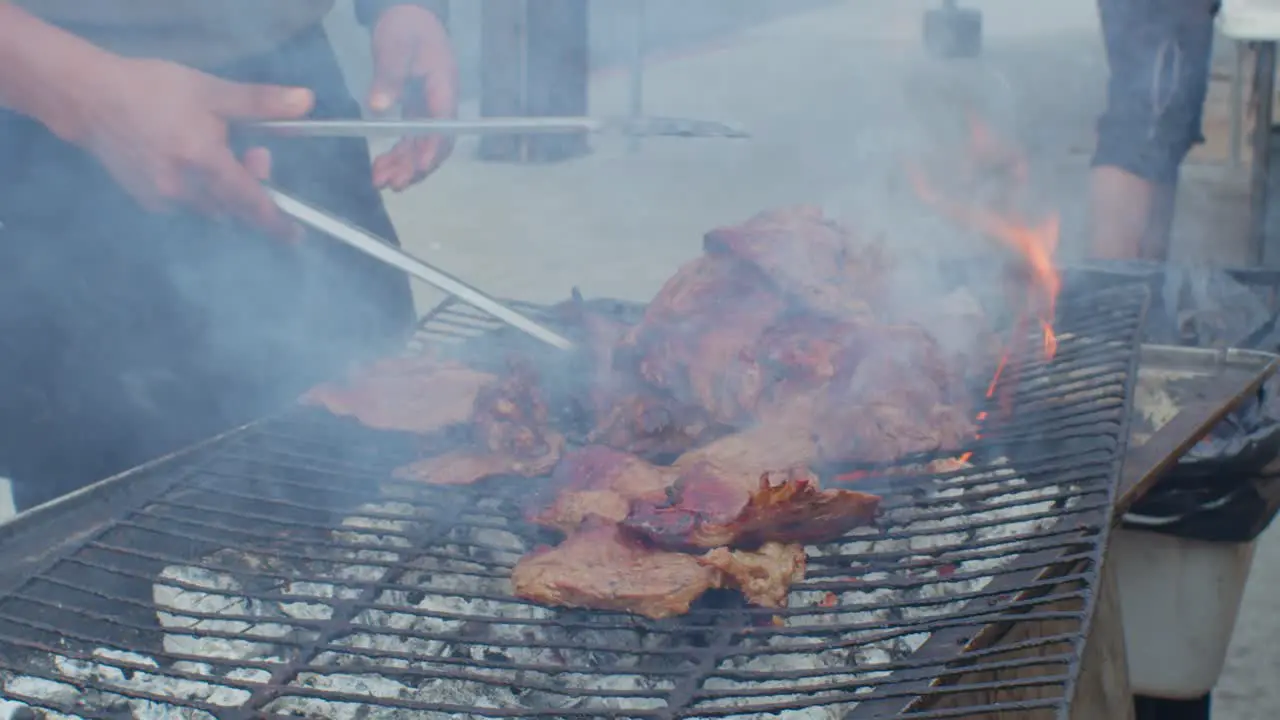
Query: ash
[[439, 626]]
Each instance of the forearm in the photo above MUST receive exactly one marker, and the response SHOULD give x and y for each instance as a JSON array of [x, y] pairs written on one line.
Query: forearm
[[41, 67], [367, 11]]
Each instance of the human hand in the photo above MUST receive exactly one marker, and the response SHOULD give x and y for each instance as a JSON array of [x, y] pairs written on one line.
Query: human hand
[[413, 66], [161, 130]]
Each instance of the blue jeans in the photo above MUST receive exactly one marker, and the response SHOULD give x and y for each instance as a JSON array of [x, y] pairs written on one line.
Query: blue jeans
[[1158, 52]]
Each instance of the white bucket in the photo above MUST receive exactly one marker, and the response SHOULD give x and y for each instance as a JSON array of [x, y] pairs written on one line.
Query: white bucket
[[1179, 600]]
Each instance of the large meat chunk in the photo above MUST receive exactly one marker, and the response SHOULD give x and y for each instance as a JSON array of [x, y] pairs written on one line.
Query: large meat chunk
[[600, 568], [698, 338], [510, 435], [650, 423], [420, 394], [710, 507], [898, 398], [811, 258]]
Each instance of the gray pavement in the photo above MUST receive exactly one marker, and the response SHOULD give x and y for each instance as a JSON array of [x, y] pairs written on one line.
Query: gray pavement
[[838, 97]]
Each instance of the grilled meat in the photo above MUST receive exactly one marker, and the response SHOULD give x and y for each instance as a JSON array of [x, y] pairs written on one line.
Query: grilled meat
[[710, 507], [510, 435], [470, 465], [420, 394], [897, 398], [812, 259], [698, 338], [804, 350], [782, 438], [600, 567], [648, 423], [601, 482], [764, 576]]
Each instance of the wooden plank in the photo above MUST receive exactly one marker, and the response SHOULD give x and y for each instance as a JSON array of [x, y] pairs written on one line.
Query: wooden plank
[[534, 63]]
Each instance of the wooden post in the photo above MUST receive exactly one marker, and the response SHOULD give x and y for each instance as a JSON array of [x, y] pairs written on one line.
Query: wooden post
[[534, 63]]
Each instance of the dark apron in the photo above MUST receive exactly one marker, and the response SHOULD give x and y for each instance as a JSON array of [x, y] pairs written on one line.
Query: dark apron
[[126, 335]]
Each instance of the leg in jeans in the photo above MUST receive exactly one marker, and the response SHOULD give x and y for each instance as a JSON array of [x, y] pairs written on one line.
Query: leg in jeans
[[1158, 52]]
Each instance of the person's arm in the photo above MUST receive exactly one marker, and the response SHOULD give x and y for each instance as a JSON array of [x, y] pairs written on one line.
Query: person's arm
[[41, 70], [368, 11], [160, 129], [413, 67]]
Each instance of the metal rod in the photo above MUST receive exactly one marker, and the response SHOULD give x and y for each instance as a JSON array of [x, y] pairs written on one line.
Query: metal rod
[[380, 249], [1237, 106], [398, 128]]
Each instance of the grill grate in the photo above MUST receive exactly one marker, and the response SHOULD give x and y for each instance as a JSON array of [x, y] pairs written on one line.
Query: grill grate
[[279, 573]]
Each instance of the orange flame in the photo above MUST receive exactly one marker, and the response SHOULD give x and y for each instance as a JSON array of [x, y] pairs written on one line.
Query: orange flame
[[1034, 243]]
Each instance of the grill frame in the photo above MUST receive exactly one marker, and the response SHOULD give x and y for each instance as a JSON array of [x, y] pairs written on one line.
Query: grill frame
[[137, 488]]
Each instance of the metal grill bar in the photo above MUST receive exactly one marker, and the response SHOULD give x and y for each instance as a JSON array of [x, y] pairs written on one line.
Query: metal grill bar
[[290, 539]]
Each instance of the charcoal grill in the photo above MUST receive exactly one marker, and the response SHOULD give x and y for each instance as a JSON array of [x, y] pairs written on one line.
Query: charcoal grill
[[277, 571]]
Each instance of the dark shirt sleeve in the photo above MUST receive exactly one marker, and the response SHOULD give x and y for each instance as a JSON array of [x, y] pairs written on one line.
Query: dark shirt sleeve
[[368, 11]]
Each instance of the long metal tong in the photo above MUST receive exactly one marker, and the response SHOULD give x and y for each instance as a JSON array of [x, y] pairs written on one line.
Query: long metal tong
[[380, 249], [627, 126]]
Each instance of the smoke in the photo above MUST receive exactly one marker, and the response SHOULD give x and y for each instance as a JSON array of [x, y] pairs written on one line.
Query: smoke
[[838, 94]]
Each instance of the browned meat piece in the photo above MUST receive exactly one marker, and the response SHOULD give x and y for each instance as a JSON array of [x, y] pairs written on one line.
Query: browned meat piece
[[510, 435], [419, 395], [806, 349], [764, 576], [782, 438], [600, 568], [647, 423], [709, 507], [810, 258], [899, 398], [599, 333], [466, 466], [601, 482], [698, 338]]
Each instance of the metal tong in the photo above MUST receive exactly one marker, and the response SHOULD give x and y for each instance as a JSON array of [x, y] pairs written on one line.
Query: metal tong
[[626, 126], [384, 251]]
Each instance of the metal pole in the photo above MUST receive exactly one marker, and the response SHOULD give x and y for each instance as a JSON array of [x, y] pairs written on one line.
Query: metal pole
[[1264, 82], [638, 50], [1237, 106]]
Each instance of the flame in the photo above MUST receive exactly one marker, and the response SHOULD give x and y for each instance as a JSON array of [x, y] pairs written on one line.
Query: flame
[[1035, 245]]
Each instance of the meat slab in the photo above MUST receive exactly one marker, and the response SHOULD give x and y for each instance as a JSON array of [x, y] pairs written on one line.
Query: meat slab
[[697, 505], [711, 507], [510, 436], [600, 567], [419, 395]]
